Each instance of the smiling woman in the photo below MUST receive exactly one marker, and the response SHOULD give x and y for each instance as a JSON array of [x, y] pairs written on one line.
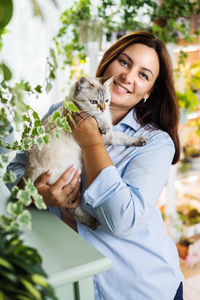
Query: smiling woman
[[135, 71], [121, 185]]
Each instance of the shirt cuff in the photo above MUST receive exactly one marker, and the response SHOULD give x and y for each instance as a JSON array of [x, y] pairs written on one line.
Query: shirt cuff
[[105, 185]]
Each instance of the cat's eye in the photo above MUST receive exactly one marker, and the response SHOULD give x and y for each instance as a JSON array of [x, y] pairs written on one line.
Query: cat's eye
[[107, 100], [93, 101]]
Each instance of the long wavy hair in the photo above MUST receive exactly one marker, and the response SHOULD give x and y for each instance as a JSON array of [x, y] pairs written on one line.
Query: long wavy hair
[[161, 109]]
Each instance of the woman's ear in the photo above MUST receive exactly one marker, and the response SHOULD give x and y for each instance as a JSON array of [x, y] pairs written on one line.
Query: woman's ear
[[147, 95]]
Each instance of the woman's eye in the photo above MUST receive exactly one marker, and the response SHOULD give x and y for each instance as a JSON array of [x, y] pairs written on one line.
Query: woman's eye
[[123, 62], [144, 75], [93, 101]]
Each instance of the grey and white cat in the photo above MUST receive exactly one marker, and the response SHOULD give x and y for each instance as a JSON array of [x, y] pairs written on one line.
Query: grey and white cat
[[92, 97]]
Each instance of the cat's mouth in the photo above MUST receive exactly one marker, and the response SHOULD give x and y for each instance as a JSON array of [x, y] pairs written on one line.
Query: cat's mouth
[[121, 87]]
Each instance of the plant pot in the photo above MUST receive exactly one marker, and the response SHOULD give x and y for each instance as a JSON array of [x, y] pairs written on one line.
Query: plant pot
[[182, 250], [90, 31]]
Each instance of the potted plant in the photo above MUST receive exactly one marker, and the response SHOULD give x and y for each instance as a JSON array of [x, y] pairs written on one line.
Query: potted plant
[[183, 247], [21, 274]]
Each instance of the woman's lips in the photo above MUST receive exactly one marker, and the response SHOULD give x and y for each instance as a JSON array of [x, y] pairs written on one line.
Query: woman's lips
[[121, 89]]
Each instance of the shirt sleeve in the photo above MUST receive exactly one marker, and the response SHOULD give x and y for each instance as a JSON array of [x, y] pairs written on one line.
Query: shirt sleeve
[[17, 165], [123, 202]]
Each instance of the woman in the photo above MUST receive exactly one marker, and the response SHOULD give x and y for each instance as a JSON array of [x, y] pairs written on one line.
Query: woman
[[124, 184]]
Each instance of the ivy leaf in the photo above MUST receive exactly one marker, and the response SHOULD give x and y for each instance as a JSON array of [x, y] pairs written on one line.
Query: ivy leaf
[[48, 87], [39, 142], [27, 86], [56, 115], [24, 196], [4, 158], [41, 130], [9, 177], [34, 131], [35, 115], [25, 219], [46, 138], [14, 192], [37, 123], [60, 122], [29, 187], [57, 133], [6, 72], [27, 143], [39, 202], [15, 208], [73, 107], [26, 118], [38, 88], [66, 126], [6, 221]]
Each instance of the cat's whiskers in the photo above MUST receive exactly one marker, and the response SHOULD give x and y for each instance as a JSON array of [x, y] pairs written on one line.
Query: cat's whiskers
[[86, 115]]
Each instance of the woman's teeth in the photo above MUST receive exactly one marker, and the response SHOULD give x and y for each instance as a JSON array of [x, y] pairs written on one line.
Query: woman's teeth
[[120, 87]]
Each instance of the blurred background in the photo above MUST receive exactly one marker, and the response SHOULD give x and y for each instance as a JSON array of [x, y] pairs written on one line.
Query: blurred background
[[51, 43]]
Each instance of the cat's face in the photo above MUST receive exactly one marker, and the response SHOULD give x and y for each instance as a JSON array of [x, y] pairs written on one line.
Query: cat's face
[[92, 96]]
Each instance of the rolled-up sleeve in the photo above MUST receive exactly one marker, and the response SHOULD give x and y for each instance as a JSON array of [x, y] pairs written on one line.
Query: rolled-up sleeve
[[121, 202], [17, 165]]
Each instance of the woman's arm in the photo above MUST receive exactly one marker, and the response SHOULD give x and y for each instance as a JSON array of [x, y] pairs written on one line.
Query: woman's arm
[[95, 155], [122, 202]]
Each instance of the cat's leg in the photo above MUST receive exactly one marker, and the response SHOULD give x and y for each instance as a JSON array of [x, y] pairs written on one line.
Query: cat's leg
[[104, 123], [120, 138], [83, 217]]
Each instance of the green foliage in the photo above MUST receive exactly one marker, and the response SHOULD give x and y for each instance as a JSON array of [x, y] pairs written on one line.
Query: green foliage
[[172, 19], [6, 9], [187, 100], [21, 273]]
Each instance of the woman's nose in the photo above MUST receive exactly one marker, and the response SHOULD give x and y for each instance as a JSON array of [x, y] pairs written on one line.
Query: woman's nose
[[129, 76]]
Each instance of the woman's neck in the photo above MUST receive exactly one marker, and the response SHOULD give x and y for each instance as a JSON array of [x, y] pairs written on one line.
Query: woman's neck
[[117, 114]]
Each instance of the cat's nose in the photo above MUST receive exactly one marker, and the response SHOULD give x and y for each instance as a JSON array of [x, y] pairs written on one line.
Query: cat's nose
[[102, 106]]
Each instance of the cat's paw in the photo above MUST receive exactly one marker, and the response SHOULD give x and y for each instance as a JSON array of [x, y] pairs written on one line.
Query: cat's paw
[[140, 142], [95, 225]]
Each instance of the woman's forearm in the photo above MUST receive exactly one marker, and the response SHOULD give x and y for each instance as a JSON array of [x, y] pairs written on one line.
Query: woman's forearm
[[96, 158]]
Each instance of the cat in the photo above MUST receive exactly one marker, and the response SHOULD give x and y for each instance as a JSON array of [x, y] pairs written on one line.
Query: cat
[[93, 97]]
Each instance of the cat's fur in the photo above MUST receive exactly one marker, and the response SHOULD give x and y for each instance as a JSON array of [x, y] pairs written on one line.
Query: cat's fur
[[92, 97]]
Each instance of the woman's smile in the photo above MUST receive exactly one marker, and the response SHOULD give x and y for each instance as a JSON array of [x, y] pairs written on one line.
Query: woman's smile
[[120, 88]]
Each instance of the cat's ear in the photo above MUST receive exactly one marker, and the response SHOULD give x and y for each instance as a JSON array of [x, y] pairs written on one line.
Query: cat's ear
[[108, 81], [83, 83]]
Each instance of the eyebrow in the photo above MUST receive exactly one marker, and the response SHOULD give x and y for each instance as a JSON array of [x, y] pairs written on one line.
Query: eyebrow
[[128, 57]]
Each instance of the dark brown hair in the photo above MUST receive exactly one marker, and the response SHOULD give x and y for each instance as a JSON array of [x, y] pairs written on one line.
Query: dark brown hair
[[161, 109]]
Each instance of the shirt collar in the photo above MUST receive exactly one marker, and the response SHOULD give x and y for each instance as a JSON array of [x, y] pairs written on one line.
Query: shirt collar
[[129, 120]]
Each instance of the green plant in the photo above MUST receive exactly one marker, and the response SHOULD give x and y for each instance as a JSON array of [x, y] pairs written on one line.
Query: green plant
[[21, 273], [189, 215], [187, 100]]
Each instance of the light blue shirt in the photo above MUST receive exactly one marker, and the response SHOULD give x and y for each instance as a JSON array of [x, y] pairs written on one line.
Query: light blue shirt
[[123, 197]]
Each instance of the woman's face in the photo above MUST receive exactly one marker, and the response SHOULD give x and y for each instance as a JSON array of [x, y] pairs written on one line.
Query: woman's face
[[135, 71]]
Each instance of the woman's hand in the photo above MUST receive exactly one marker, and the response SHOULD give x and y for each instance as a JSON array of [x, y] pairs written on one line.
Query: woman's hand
[[88, 136], [60, 194], [86, 131]]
